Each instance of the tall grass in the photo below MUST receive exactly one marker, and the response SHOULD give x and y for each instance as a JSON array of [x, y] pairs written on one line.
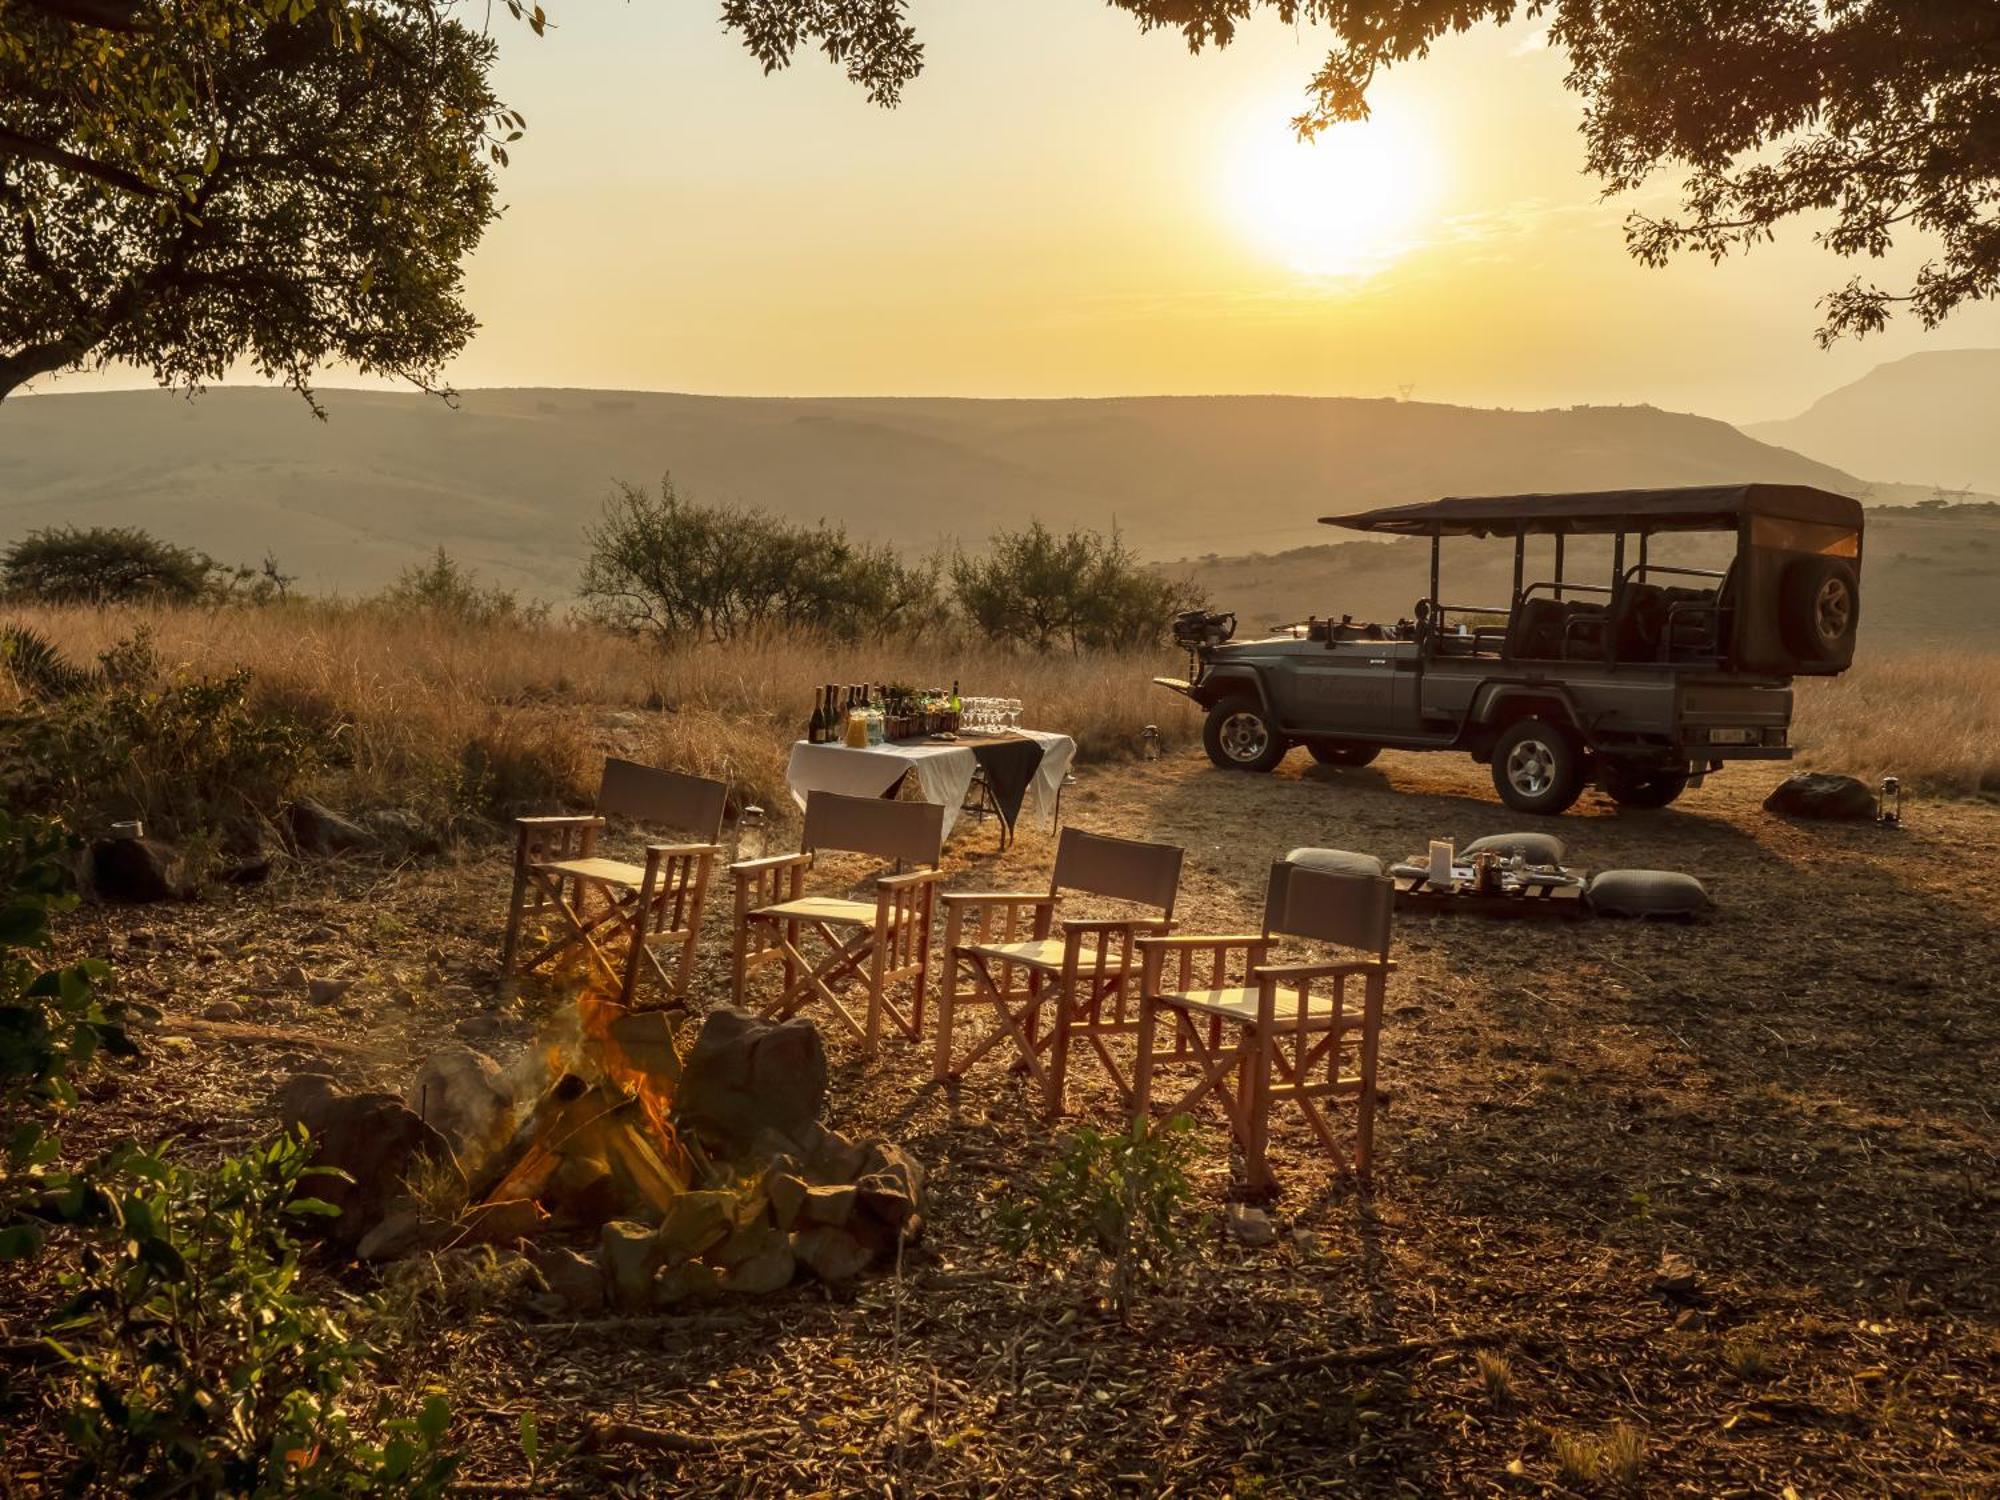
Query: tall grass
[[1931, 717], [419, 697]]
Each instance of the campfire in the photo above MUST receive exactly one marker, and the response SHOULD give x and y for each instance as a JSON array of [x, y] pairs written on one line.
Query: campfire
[[630, 1173]]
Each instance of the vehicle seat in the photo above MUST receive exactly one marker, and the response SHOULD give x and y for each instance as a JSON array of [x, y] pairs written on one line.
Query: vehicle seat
[[1638, 623], [1536, 631]]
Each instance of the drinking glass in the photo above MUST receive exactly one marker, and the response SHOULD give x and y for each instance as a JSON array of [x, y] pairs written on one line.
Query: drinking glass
[[1013, 713]]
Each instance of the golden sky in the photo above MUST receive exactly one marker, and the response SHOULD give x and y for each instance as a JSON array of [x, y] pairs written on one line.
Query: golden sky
[[1063, 206]]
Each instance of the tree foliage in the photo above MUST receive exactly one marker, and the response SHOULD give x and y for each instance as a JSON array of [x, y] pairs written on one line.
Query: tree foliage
[[189, 183], [668, 566], [103, 565], [1083, 590]]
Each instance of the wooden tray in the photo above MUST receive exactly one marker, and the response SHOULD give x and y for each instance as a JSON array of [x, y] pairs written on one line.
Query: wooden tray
[[1546, 903]]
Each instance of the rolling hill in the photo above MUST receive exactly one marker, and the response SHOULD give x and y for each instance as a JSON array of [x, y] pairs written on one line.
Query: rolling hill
[[508, 479], [1927, 420]]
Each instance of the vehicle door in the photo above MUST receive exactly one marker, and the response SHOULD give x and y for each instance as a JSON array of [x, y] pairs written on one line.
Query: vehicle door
[[1348, 689]]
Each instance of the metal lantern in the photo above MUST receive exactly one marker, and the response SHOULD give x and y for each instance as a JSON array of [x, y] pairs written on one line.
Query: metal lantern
[[1149, 742], [1889, 805], [749, 838]]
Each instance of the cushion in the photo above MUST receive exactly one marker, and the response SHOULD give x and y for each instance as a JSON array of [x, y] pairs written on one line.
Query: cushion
[[1338, 861], [1647, 893], [1535, 848]]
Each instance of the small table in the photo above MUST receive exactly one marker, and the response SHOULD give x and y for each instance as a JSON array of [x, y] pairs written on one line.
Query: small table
[[944, 771], [1554, 898]]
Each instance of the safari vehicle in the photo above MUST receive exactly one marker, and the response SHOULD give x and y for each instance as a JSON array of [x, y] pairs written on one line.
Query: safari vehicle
[[1642, 685]]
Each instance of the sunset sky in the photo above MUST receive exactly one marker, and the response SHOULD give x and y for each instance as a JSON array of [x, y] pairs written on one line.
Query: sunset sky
[[1062, 206]]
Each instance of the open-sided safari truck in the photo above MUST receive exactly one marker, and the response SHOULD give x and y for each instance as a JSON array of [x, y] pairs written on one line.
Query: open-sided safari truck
[[1643, 683]]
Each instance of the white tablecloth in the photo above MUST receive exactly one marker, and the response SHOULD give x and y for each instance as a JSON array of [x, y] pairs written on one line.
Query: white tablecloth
[[944, 772]]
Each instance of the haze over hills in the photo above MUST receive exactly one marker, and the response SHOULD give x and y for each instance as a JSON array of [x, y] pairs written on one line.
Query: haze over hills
[[1930, 419], [508, 481]]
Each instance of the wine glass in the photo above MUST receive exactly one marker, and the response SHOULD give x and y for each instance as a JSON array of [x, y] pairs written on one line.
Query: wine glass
[[1014, 713]]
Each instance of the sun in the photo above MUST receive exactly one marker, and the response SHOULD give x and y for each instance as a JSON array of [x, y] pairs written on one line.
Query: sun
[[1349, 204]]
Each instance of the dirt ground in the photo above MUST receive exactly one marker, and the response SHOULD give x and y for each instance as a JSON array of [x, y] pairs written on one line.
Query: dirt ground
[[1794, 1096]]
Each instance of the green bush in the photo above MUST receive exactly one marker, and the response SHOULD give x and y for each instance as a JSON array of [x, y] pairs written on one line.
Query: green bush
[[105, 565], [665, 566], [193, 1361], [187, 754], [1083, 590], [1119, 1198], [446, 588]]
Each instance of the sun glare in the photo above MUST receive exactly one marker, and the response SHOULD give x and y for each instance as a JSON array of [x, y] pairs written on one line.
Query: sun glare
[[1349, 204]]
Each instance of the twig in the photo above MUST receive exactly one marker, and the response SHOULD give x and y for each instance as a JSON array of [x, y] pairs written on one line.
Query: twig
[[1369, 1354], [603, 1432]]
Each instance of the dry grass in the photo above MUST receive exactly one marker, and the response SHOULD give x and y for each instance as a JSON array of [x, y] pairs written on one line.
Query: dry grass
[[1613, 1460], [422, 700], [1931, 717]]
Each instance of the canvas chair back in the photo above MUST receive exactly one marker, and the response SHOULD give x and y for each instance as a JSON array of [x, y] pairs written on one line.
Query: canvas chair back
[[906, 832], [654, 798], [1121, 869], [1329, 906]]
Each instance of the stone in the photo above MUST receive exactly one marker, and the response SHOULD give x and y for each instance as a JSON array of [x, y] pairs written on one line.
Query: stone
[[770, 1270], [294, 978], [630, 1259], [695, 1223], [458, 1091], [134, 872], [371, 1138], [745, 1076], [885, 1159], [500, 1223], [1813, 795], [222, 1010], [1250, 1225], [746, 1244], [576, 1279], [688, 1280], [787, 1195], [835, 1158], [831, 1254], [399, 1234], [318, 830], [1676, 1276], [884, 1199], [298, 1092], [327, 990], [401, 829], [832, 1204]]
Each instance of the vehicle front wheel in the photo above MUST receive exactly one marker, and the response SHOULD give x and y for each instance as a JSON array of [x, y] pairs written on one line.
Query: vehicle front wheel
[[1644, 787], [1538, 766], [1239, 736], [1342, 752]]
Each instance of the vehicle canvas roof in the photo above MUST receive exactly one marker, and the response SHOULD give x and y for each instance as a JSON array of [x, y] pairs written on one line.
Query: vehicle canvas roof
[[1715, 507]]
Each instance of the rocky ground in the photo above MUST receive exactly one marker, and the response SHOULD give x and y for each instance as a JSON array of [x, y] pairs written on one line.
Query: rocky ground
[[1703, 1210]]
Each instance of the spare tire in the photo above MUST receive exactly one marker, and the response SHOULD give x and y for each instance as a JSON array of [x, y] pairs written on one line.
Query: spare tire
[[1820, 609]]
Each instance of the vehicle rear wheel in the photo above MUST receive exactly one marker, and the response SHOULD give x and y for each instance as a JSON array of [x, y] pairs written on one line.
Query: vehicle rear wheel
[[1239, 736], [1342, 752], [1538, 766], [1644, 786]]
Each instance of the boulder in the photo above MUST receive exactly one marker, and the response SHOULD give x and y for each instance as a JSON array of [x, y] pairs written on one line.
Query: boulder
[[787, 1194], [630, 1260], [575, 1279], [831, 1204], [458, 1092], [319, 830], [401, 829], [746, 1077], [692, 1278], [500, 1223], [371, 1138], [1811, 795], [830, 1253], [133, 872], [399, 1234]]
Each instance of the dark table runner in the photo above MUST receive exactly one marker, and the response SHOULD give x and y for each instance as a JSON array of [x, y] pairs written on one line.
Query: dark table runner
[[1010, 766]]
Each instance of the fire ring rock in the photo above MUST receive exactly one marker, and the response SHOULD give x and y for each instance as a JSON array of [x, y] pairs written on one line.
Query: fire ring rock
[[373, 1139], [746, 1077]]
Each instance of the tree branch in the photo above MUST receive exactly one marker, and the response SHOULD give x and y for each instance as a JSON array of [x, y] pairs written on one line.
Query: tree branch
[[28, 148]]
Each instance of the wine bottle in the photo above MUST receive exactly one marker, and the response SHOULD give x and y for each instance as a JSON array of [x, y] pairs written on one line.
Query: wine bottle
[[816, 727]]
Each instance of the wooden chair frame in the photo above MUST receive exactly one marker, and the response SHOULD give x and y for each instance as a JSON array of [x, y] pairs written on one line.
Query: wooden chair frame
[[1289, 1022], [1000, 949], [604, 902], [877, 948]]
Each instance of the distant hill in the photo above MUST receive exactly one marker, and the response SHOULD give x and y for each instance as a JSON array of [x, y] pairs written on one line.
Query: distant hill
[[1927, 420], [1927, 575], [508, 480]]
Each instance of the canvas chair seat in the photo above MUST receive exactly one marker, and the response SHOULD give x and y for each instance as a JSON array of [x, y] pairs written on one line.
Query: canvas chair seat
[[1239, 1003], [602, 871], [820, 909], [1043, 953]]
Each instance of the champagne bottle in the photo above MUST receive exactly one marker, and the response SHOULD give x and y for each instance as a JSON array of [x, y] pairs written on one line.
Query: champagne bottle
[[816, 727]]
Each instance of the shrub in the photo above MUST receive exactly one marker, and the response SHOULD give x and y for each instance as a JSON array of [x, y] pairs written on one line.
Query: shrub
[[105, 565], [665, 566], [53, 1022], [1120, 1198], [1082, 590], [444, 587], [192, 1359]]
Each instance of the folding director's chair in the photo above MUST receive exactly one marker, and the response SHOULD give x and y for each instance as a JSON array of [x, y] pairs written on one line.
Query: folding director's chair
[[1275, 1033], [875, 944], [1003, 949], [603, 903]]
